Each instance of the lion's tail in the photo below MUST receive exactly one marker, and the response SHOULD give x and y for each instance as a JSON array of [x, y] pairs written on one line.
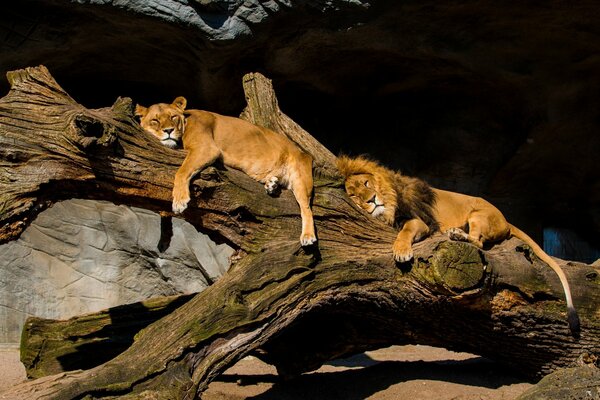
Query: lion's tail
[[572, 316]]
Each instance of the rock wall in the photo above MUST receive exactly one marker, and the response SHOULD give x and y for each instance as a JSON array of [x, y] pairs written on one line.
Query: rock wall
[[81, 256]]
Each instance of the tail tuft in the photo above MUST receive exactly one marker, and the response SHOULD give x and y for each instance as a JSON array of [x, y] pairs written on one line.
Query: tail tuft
[[573, 320]]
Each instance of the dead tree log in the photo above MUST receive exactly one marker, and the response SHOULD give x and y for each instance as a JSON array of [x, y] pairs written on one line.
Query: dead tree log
[[297, 307]]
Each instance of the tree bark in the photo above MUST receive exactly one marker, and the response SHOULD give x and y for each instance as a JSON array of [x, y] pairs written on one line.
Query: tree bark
[[296, 307], [582, 382]]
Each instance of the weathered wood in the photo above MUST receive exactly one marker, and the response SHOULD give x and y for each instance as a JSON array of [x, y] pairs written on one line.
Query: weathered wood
[[298, 307]]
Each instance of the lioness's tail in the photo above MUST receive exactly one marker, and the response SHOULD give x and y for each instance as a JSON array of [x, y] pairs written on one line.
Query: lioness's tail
[[572, 316]]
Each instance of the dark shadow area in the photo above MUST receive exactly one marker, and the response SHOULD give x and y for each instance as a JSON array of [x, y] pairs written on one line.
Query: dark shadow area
[[359, 360], [373, 377], [166, 233]]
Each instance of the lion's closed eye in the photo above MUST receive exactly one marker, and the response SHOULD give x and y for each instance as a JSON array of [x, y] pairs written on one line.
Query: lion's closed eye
[[356, 200]]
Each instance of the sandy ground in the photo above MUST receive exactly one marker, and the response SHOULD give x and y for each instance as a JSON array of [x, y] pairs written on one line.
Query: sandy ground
[[398, 373]]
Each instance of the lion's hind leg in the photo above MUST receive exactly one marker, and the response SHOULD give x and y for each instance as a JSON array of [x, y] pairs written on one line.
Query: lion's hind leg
[[483, 226], [472, 232], [476, 228]]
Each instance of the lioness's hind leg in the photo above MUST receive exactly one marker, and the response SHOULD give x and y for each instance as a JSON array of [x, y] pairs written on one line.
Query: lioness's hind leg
[[301, 183]]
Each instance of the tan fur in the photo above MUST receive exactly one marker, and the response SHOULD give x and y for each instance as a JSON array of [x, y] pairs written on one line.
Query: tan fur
[[264, 155], [373, 188]]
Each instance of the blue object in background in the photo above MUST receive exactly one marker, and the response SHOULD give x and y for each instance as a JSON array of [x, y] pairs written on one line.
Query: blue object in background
[[567, 245]]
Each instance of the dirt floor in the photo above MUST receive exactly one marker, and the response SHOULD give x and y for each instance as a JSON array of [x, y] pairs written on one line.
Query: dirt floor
[[398, 373]]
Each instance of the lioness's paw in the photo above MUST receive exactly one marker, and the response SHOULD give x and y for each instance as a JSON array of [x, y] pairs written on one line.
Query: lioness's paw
[[180, 205], [272, 185], [457, 234], [306, 239], [402, 253]]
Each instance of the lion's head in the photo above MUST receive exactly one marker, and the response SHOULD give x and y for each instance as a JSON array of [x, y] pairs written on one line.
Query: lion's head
[[165, 121], [370, 186]]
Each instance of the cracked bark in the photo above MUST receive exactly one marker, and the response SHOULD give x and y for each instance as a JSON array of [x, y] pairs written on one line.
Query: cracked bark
[[294, 307]]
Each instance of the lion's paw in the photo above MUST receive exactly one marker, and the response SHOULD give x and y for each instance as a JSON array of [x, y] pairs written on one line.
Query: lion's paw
[[180, 205], [402, 253], [457, 234], [307, 239], [403, 257]]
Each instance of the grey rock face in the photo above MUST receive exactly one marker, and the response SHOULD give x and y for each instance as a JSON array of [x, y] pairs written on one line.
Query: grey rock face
[[82, 256], [220, 20]]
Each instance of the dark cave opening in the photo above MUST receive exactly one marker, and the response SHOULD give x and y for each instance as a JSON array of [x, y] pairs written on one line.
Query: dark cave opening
[[506, 108]]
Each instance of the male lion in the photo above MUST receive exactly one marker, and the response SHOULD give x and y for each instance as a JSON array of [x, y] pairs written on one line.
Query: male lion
[[422, 210], [264, 155]]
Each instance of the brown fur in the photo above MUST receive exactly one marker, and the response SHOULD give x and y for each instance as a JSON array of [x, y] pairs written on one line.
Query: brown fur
[[264, 155], [393, 197]]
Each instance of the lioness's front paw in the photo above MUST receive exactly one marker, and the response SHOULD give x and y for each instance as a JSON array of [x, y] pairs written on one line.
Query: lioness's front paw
[[181, 198], [306, 239], [180, 205], [402, 252]]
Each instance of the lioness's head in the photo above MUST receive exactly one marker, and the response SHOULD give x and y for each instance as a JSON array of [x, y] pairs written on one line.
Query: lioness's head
[[370, 186], [165, 121]]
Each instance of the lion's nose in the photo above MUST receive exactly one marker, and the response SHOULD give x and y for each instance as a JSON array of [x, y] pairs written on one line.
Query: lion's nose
[[168, 131], [372, 199]]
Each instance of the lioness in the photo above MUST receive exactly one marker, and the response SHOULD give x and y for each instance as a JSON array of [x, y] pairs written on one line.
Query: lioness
[[264, 155], [421, 210]]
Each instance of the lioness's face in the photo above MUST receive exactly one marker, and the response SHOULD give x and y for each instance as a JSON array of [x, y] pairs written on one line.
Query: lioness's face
[[165, 121], [362, 190]]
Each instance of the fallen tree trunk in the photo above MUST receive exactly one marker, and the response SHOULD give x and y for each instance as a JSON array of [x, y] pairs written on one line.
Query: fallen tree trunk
[[297, 307]]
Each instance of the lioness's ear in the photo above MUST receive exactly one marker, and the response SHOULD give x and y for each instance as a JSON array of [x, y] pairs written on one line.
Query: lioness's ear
[[180, 102], [140, 111]]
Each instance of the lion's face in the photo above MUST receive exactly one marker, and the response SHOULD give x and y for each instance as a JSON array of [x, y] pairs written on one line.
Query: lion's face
[[370, 186], [165, 121], [363, 191]]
